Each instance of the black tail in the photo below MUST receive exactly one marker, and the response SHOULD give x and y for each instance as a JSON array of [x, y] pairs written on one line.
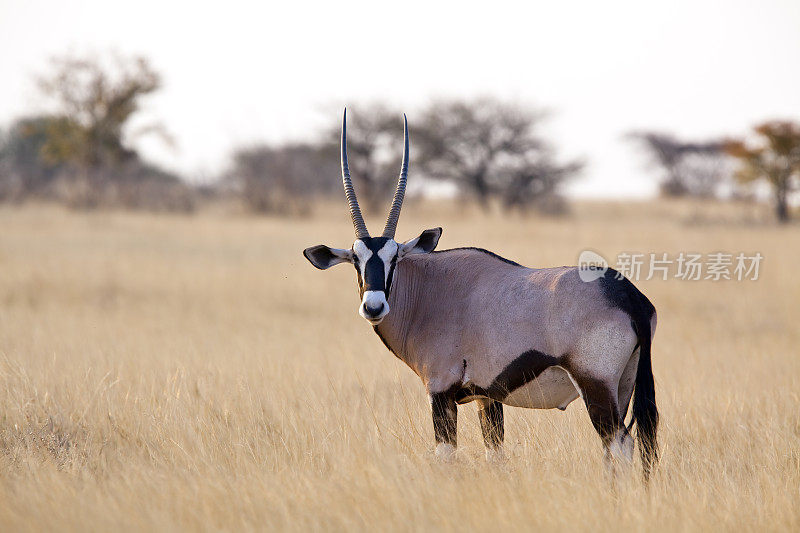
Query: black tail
[[645, 412], [621, 293]]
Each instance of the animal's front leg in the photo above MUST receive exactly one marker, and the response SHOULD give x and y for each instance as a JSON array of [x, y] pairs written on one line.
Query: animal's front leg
[[445, 413]]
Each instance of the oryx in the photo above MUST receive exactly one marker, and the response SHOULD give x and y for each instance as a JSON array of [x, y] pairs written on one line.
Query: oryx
[[476, 326]]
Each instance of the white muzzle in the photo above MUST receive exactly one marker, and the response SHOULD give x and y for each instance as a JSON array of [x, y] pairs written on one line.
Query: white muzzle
[[374, 307]]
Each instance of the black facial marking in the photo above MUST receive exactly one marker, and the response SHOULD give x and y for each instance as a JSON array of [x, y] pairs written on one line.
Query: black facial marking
[[356, 264], [374, 274], [375, 278], [390, 277]]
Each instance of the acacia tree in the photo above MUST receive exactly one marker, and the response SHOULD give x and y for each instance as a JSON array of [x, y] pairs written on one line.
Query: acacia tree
[[94, 102], [689, 168], [774, 156], [489, 149]]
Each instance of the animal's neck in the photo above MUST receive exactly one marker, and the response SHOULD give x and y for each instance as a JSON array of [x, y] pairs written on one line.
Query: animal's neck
[[409, 283]]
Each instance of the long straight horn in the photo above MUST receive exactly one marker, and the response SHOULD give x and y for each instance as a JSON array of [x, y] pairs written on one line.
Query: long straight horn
[[349, 192], [400, 192]]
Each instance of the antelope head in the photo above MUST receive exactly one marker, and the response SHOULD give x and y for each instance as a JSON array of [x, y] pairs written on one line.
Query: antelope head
[[374, 258]]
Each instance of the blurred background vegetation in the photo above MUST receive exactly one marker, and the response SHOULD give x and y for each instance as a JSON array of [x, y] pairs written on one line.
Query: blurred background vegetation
[[79, 152], [170, 361]]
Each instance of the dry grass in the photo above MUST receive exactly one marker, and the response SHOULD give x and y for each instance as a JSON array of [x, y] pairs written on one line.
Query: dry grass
[[196, 373]]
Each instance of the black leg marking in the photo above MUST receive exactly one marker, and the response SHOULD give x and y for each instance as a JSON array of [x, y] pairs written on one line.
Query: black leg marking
[[602, 407], [444, 410], [490, 414]]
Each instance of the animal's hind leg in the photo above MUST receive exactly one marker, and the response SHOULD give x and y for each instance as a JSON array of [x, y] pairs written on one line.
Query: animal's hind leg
[[602, 403], [490, 414], [626, 384]]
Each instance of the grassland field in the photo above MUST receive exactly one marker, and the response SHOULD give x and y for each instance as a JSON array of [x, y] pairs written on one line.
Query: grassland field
[[170, 373]]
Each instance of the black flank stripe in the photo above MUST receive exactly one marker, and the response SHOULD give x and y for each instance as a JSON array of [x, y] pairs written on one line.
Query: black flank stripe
[[519, 372]]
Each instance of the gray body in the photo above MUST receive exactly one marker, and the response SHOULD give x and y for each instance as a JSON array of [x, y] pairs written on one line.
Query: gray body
[[460, 317]]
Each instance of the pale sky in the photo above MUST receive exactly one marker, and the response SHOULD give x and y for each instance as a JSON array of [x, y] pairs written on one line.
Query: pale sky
[[239, 73]]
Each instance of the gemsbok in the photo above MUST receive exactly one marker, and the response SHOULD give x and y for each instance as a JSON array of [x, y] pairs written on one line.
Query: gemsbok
[[477, 327]]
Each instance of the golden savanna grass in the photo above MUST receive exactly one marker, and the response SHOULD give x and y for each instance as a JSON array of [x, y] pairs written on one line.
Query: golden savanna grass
[[196, 373]]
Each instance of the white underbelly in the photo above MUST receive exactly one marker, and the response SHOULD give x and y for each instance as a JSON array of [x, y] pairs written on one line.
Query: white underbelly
[[552, 389]]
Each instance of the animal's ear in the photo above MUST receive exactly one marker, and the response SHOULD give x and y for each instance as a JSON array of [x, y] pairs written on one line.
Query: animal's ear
[[424, 244], [324, 257]]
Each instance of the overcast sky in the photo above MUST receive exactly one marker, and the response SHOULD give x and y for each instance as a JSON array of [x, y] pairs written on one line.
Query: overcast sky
[[239, 73]]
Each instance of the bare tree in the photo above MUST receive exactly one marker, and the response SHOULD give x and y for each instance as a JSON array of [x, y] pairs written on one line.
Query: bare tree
[[774, 157], [283, 179], [374, 137], [490, 148], [688, 168], [99, 100], [537, 184], [89, 133]]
